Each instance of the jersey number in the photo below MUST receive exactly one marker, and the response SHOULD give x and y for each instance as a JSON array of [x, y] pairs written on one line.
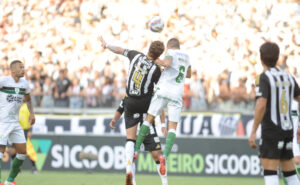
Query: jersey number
[[137, 78], [180, 76], [283, 103]]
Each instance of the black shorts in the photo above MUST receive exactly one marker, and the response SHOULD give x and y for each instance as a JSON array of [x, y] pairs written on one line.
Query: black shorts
[[152, 141], [276, 148], [135, 109]]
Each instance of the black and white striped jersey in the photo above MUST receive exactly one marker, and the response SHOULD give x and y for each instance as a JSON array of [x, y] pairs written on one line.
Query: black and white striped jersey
[[142, 75], [279, 88]]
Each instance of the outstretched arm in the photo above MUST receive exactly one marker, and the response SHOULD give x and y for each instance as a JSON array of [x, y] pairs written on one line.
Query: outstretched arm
[[115, 49], [166, 62]]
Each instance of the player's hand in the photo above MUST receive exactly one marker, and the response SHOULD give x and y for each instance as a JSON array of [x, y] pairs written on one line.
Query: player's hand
[[31, 119], [112, 124], [251, 140], [164, 131], [103, 43], [29, 134]]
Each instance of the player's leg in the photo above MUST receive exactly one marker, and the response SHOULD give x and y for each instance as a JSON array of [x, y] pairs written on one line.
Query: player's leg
[[152, 144], [131, 124], [286, 163], [296, 150], [156, 154], [174, 111], [5, 129], [270, 170], [17, 137], [296, 160], [2, 150], [154, 110], [129, 149], [289, 172], [270, 149]]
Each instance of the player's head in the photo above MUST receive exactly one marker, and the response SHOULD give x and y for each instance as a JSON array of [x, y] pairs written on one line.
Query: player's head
[[156, 49], [17, 68], [173, 43], [269, 53]]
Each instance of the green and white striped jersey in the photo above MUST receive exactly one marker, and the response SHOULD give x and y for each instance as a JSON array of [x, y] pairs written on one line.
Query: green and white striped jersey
[[11, 96]]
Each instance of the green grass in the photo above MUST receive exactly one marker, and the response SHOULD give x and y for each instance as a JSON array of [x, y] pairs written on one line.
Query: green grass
[[83, 178]]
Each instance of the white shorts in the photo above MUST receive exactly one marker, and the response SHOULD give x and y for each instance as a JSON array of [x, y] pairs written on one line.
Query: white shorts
[[159, 102], [12, 133], [296, 150]]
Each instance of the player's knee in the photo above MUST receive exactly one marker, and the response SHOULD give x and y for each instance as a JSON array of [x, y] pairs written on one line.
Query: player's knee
[[150, 118]]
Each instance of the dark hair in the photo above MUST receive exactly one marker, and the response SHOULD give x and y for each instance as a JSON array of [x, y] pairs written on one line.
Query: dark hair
[[14, 63], [173, 43], [156, 49], [269, 53]]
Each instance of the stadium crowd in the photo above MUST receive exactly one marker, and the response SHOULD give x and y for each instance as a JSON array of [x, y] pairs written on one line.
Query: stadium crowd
[[58, 41]]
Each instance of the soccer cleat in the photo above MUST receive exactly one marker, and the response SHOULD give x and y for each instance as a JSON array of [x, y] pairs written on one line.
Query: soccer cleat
[[162, 168], [129, 179], [10, 183], [135, 156]]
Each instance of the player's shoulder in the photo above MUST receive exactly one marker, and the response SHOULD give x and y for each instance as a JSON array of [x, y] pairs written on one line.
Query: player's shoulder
[[260, 77], [131, 52], [23, 81], [5, 79]]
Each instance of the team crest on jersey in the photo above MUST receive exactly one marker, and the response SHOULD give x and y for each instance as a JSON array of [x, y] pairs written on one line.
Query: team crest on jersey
[[17, 90]]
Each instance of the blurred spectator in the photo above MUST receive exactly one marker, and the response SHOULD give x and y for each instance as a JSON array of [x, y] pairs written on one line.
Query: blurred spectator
[[197, 93], [239, 94], [107, 92], [91, 94], [48, 89], [221, 37], [75, 94], [60, 92]]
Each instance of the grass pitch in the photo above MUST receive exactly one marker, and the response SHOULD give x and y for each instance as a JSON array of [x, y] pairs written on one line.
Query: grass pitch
[[83, 178]]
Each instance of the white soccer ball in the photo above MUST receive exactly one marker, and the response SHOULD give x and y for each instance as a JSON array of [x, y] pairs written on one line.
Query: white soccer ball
[[156, 24]]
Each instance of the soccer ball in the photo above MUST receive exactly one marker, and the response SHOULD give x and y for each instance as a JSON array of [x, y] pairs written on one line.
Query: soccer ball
[[156, 24]]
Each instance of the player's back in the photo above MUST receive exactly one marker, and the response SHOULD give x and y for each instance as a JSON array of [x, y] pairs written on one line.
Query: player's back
[[172, 80], [279, 100]]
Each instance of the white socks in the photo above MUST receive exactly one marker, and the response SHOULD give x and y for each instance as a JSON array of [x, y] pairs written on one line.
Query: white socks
[[129, 151], [164, 179], [271, 180], [133, 174], [292, 180], [21, 156], [130, 166]]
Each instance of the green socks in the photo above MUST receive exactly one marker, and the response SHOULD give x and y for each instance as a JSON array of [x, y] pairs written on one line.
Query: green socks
[[169, 142], [15, 169], [284, 180], [298, 171], [144, 130]]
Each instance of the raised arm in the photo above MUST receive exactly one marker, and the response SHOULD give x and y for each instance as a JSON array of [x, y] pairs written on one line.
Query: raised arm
[[115, 49], [166, 62]]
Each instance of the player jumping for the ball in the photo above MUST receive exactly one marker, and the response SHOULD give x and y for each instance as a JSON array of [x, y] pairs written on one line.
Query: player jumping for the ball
[[169, 94]]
